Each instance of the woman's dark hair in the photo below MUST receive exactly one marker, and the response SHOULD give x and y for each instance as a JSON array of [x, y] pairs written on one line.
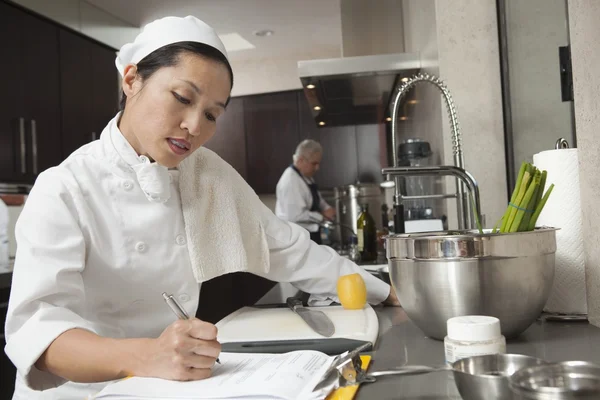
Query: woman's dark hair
[[168, 56]]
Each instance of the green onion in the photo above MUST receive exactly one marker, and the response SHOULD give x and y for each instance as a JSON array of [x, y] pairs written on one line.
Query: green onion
[[539, 208], [514, 227], [513, 209], [526, 202], [530, 205], [513, 198]]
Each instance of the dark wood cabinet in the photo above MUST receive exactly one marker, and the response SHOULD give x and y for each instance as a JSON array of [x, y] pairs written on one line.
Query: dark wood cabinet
[[272, 134], [58, 90], [12, 125], [225, 294], [89, 90], [30, 96], [76, 91], [229, 141], [42, 94], [105, 88]]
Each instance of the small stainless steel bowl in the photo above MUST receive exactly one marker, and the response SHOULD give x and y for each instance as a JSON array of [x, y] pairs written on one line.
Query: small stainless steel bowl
[[578, 380], [486, 377], [440, 275]]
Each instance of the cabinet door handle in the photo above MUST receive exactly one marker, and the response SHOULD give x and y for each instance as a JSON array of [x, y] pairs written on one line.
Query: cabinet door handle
[[34, 147], [94, 136], [22, 145]]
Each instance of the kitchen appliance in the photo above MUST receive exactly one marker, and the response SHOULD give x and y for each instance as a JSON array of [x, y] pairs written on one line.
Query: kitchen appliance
[[277, 329], [440, 275], [317, 320], [348, 202], [356, 88], [416, 153], [477, 377], [558, 381]]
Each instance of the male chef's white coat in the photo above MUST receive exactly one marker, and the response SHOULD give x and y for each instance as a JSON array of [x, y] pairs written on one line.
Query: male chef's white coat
[[94, 253], [294, 200]]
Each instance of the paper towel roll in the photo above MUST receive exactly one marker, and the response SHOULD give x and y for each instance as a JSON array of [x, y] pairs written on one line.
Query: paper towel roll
[[563, 210]]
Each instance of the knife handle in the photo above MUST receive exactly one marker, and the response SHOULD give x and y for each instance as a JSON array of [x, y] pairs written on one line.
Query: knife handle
[[293, 302]]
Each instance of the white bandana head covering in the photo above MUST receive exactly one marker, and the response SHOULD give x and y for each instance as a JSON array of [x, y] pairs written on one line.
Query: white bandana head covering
[[165, 31], [154, 178]]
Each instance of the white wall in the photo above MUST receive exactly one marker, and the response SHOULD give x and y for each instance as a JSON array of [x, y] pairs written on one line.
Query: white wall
[[535, 30], [85, 18], [368, 30], [272, 75], [585, 53], [469, 63]]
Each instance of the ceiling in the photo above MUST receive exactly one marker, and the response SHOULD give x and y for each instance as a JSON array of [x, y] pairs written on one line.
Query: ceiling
[[300, 26]]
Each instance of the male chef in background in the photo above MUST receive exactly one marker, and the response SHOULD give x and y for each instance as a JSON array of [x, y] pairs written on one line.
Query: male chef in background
[[298, 198]]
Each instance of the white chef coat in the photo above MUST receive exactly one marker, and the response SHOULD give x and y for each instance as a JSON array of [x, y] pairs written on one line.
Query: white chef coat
[[4, 220], [94, 253], [294, 200]]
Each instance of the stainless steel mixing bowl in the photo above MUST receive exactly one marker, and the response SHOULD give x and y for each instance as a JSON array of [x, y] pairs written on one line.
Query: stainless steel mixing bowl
[[559, 381], [440, 275]]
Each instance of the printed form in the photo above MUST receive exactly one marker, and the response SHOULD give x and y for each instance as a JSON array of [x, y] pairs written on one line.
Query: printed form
[[240, 375]]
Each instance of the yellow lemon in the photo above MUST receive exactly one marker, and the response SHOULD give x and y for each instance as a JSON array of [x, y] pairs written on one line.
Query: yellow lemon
[[352, 291]]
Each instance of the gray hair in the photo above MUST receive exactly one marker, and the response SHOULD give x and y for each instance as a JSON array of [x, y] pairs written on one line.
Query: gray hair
[[307, 148]]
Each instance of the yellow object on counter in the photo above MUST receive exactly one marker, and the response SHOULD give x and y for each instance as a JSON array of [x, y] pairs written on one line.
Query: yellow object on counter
[[348, 392], [352, 291]]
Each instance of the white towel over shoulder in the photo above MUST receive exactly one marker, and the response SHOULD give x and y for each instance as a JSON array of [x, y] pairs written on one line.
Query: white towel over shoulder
[[222, 223]]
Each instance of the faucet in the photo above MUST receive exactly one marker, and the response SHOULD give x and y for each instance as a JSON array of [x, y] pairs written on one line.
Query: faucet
[[442, 170], [464, 214]]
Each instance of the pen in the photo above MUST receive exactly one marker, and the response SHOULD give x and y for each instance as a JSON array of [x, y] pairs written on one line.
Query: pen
[[177, 309]]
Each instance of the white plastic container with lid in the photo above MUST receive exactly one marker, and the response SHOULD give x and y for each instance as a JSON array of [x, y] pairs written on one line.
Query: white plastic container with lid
[[473, 335]]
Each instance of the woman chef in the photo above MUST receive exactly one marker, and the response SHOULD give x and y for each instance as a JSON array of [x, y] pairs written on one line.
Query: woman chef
[[103, 234]]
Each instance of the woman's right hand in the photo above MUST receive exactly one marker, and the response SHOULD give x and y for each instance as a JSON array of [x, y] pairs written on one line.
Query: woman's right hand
[[185, 351]]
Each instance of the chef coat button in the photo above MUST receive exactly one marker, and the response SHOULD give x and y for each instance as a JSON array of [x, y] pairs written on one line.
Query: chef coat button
[[184, 297], [141, 247], [128, 185], [180, 239], [143, 159]]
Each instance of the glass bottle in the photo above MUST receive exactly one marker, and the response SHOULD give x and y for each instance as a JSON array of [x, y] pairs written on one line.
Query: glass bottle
[[367, 235]]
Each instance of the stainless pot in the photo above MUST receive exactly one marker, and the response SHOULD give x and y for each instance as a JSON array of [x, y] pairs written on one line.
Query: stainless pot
[[559, 381], [440, 275]]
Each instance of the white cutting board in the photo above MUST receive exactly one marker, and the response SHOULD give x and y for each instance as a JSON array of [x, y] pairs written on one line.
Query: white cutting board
[[250, 324]]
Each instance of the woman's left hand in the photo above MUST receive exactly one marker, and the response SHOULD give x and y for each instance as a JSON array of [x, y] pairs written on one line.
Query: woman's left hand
[[392, 299]]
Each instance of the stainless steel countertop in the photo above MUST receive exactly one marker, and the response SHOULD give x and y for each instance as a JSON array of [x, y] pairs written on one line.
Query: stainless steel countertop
[[401, 343]]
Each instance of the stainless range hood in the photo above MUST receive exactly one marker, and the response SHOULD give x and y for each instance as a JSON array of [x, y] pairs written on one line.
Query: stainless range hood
[[356, 88]]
